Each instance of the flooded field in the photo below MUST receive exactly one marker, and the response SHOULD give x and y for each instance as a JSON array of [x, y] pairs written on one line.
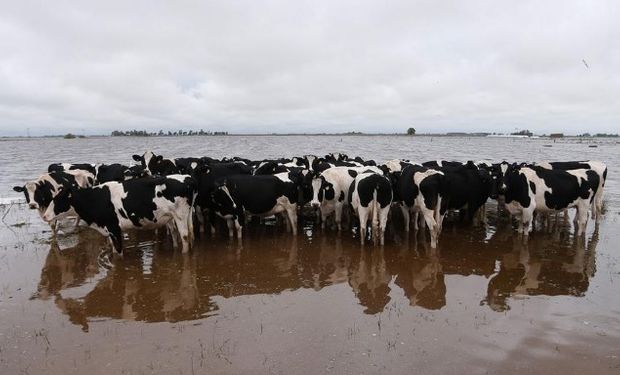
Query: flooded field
[[484, 301]]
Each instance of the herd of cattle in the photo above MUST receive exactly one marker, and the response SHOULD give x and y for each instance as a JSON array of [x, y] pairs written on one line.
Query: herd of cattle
[[174, 193]]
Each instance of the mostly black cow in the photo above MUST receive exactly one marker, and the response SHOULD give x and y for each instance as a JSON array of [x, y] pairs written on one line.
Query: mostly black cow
[[257, 195], [156, 164], [118, 172]]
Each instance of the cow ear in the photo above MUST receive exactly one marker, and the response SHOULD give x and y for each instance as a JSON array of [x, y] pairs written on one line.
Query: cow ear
[[62, 191], [352, 173], [204, 168], [471, 165], [19, 189], [159, 158], [137, 157]]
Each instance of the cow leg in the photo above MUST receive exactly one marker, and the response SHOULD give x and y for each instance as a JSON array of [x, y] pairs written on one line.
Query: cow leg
[[212, 219], [527, 217], [323, 219], [53, 225], [517, 216], [231, 226], [346, 217], [173, 233], [383, 219], [287, 222], [582, 218], [433, 228], [117, 239], [415, 219], [421, 221], [190, 226], [183, 229], [239, 228], [598, 200], [406, 216], [200, 218], [338, 216], [362, 212], [291, 213]]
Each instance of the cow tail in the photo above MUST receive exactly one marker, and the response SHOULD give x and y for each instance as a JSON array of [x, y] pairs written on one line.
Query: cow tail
[[375, 209], [444, 193]]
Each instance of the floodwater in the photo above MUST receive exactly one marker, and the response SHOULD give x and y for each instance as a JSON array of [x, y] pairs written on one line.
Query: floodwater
[[485, 301]]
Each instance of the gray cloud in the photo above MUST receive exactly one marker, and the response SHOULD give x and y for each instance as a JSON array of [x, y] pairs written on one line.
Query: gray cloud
[[273, 66]]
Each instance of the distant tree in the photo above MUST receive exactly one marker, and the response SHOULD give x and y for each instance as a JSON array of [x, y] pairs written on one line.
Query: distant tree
[[523, 132], [411, 131]]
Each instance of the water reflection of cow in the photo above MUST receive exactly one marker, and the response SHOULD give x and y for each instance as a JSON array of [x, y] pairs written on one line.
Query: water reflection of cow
[[156, 285], [546, 265], [72, 266]]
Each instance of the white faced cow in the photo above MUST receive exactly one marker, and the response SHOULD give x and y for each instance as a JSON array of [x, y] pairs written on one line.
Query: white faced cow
[[40, 192]]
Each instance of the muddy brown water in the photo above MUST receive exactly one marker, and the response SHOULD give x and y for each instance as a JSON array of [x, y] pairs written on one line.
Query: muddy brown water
[[484, 301]]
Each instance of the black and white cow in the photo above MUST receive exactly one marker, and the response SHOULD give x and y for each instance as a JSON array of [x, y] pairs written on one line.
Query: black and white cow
[[310, 161], [330, 190], [370, 195], [442, 164], [206, 176], [468, 187], [263, 195], [146, 203], [599, 167], [536, 189], [188, 165], [418, 190], [118, 172], [40, 192], [336, 156], [156, 164], [64, 167]]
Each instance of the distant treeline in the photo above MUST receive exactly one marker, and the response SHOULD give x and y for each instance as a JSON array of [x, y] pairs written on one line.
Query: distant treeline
[[605, 135], [161, 133]]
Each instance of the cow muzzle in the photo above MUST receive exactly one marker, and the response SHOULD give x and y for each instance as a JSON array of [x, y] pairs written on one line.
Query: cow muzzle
[[315, 204], [33, 206]]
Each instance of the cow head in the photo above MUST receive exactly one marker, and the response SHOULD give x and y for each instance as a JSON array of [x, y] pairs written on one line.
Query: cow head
[[499, 173], [321, 190], [38, 193], [135, 171], [223, 202], [60, 205], [310, 161], [336, 156], [148, 160]]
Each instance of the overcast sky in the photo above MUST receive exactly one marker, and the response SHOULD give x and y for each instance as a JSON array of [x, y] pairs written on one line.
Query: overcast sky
[[316, 66]]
